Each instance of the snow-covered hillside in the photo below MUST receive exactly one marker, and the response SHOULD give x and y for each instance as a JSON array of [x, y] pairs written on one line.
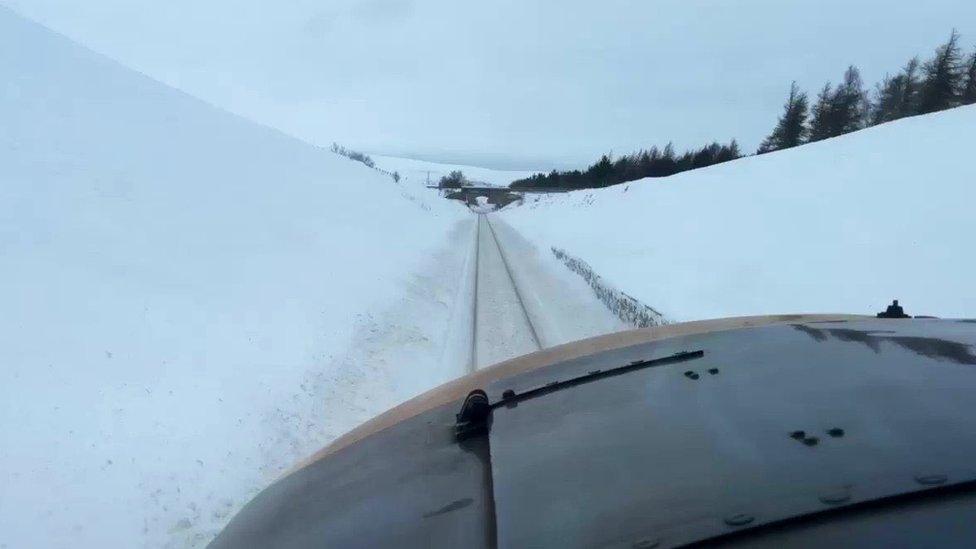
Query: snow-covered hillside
[[416, 172], [188, 300], [843, 225]]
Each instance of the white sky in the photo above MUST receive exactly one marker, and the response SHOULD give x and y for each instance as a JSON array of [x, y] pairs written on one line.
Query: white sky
[[509, 83]]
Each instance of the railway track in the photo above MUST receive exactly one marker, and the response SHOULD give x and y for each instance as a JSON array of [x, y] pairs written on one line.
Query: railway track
[[504, 327]]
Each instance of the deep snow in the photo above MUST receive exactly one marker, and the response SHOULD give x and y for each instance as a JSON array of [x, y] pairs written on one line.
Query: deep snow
[[191, 302], [843, 225], [560, 304]]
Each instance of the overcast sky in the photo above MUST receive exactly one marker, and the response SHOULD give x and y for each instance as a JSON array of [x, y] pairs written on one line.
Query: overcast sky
[[510, 83]]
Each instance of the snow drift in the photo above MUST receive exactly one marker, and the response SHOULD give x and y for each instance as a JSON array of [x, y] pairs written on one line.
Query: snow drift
[[843, 225], [178, 285]]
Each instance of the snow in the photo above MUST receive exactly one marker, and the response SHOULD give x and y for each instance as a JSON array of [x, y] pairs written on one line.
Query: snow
[[415, 172], [503, 326], [524, 300], [844, 225], [561, 305], [191, 302]]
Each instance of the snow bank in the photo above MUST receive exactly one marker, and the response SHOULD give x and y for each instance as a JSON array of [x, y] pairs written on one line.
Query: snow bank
[[627, 309], [179, 287], [843, 225]]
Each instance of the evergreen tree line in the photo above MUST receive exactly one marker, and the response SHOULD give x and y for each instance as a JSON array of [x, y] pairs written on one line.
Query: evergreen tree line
[[654, 162], [945, 81]]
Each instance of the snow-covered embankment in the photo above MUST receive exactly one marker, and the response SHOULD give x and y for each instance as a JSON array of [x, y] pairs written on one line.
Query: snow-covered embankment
[[191, 302], [843, 225]]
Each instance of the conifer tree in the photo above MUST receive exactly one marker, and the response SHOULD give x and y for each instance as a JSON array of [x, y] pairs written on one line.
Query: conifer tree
[[728, 152], [850, 103], [968, 96], [897, 97], [910, 89], [791, 129], [888, 99], [820, 121], [943, 78]]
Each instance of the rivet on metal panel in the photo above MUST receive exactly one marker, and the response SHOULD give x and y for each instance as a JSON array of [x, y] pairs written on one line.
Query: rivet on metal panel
[[713, 371], [811, 441], [646, 543], [740, 519], [931, 480], [835, 497], [836, 432], [691, 375], [798, 435]]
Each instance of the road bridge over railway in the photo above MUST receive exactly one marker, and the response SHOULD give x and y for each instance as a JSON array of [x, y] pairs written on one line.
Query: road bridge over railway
[[494, 195]]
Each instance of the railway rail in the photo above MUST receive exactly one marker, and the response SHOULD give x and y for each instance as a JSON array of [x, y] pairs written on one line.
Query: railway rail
[[504, 326]]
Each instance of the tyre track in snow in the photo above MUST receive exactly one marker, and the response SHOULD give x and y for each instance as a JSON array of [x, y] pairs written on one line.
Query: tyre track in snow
[[503, 326]]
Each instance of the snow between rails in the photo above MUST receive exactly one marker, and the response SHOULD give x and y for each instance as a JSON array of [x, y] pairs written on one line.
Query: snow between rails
[[625, 307]]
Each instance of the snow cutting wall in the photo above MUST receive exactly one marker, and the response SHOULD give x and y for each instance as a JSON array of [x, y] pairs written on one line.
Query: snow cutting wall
[[178, 289], [844, 225]]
